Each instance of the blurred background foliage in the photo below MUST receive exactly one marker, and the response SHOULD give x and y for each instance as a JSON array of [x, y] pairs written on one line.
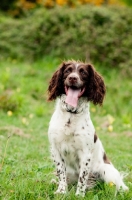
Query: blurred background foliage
[[93, 30], [15, 7]]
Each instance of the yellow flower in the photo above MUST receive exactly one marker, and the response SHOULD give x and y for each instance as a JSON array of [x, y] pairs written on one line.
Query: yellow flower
[[110, 128], [98, 128], [93, 110], [49, 3], [31, 116], [61, 2], [24, 121], [18, 90], [111, 184], [98, 2], [1, 86], [9, 113], [110, 119]]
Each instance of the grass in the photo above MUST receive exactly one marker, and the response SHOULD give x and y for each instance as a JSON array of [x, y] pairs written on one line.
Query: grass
[[25, 165]]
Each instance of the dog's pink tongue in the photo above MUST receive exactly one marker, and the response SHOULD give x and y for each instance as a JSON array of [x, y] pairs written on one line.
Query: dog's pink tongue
[[72, 97]]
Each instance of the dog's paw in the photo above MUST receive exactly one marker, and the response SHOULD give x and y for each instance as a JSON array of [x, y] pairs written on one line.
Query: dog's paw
[[80, 193], [60, 191]]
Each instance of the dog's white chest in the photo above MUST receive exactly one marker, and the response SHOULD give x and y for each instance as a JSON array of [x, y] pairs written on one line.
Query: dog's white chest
[[71, 133]]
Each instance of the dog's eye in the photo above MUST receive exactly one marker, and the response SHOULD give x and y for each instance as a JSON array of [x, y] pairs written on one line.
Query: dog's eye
[[82, 72], [68, 70]]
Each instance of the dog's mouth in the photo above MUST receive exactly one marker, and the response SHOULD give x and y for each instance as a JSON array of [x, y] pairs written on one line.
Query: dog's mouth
[[73, 94]]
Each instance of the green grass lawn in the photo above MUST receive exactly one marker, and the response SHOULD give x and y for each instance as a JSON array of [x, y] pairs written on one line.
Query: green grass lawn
[[26, 168]]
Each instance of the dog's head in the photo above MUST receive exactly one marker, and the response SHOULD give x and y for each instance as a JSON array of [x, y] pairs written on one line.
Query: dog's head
[[77, 79]]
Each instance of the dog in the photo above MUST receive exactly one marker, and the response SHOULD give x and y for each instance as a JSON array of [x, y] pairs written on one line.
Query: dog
[[75, 147]]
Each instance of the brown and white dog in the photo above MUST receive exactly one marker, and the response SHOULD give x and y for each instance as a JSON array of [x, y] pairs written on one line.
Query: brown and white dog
[[76, 150]]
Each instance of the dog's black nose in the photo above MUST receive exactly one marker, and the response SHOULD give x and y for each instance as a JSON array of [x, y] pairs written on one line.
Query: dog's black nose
[[73, 78]]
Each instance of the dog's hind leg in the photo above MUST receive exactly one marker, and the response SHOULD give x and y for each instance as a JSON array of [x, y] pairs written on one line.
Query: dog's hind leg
[[111, 175]]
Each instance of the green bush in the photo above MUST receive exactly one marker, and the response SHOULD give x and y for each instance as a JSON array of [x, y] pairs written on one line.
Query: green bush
[[6, 4], [10, 102], [103, 34], [128, 2]]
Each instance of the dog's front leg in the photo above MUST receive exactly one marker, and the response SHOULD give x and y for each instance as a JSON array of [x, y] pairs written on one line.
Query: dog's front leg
[[61, 172], [85, 165]]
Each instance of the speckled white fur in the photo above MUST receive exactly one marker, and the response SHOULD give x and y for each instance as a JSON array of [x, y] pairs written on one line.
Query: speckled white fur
[[74, 150]]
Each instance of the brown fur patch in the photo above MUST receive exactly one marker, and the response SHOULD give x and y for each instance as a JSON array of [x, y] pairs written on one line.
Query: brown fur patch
[[106, 160], [95, 137]]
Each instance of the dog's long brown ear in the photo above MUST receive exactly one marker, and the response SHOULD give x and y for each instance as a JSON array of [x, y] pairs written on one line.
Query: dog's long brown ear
[[56, 87], [95, 87]]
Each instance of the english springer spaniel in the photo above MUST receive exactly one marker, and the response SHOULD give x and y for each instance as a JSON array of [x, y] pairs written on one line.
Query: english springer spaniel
[[76, 149]]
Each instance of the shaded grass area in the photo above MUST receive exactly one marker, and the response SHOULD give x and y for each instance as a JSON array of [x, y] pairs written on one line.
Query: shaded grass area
[[25, 165]]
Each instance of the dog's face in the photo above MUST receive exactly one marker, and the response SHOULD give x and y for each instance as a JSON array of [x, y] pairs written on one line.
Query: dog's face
[[75, 76], [77, 79]]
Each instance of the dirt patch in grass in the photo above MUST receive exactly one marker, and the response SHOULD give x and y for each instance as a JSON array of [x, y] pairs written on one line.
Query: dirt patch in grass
[[12, 130], [128, 133]]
